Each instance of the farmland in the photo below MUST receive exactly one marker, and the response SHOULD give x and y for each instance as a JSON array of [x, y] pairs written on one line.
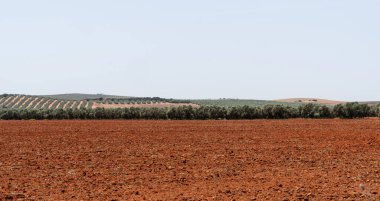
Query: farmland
[[39, 102], [91, 101], [84, 101], [17, 107], [241, 102], [311, 100], [88, 101], [295, 159]]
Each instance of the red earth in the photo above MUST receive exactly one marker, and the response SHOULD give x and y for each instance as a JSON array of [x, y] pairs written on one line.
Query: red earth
[[190, 160]]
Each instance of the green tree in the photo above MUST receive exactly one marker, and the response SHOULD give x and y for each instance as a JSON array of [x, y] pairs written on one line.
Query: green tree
[[307, 111]]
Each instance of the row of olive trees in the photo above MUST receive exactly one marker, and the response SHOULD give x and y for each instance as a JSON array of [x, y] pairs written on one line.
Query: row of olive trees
[[349, 110], [140, 100]]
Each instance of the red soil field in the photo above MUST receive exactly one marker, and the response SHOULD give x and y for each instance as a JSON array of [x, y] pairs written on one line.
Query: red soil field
[[190, 160]]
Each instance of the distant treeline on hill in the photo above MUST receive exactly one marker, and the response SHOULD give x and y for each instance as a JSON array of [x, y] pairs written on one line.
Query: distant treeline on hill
[[348, 110]]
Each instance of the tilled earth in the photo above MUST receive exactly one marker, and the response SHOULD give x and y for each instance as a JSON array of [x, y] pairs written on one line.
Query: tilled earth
[[190, 160]]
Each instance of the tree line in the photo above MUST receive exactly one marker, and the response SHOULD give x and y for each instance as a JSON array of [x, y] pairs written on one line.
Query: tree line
[[141, 100], [348, 110]]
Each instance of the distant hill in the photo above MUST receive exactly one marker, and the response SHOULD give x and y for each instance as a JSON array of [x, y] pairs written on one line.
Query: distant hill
[[77, 101], [85, 101], [78, 96], [224, 102], [310, 100], [370, 102], [240, 102]]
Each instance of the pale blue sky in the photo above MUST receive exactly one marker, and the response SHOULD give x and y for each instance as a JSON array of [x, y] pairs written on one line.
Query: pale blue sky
[[192, 49]]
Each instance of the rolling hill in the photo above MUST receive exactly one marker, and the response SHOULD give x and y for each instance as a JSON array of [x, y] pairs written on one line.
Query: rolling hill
[[370, 102], [240, 102], [310, 100], [79, 96], [78, 101]]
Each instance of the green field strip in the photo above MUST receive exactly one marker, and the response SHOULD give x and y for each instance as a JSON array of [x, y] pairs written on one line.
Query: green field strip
[[61, 104], [70, 106], [32, 102], [85, 105], [40, 103], [18, 106], [37, 103], [67, 105], [11, 102], [50, 104], [45, 104], [75, 105], [8, 100], [53, 106], [2, 99], [81, 106], [51, 101], [20, 102], [15, 101], [239, 102], [90, 104], [27, 102]]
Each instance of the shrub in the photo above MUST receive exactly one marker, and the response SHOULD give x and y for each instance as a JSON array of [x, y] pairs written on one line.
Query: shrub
[[349, 110]]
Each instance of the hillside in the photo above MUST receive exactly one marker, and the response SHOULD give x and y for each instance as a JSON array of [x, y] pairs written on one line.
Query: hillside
[[78, 101], [370, 102], [79, 96], [17, 101], [310, 100], [240, 102]]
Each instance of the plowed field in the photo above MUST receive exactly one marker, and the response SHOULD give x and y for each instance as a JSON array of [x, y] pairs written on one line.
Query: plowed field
[[190, 160]]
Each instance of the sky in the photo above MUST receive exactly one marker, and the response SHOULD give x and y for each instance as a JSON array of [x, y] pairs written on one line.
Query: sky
[[264, 49]]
